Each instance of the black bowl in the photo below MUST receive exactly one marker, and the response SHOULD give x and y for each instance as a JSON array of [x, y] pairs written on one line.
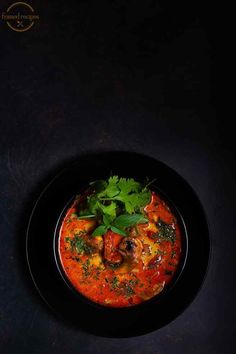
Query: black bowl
[[167, 288], [52, 284]]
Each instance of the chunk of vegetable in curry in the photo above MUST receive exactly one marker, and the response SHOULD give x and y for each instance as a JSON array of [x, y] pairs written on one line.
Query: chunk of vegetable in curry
[[120, 243]]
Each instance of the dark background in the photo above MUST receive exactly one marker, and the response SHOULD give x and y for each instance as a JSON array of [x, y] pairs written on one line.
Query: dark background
[[114, 75]]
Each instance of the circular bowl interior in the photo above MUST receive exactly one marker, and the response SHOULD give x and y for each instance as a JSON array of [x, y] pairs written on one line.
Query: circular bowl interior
[[167, 288], [44, 263]]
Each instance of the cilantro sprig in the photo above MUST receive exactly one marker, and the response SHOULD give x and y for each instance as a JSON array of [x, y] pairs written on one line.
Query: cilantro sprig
[[117, 204]]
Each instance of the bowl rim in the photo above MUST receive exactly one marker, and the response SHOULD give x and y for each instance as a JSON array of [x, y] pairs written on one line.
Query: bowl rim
[[208, 243]]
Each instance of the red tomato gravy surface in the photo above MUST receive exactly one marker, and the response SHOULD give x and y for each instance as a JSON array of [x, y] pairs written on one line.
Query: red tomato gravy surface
[[118, 271]]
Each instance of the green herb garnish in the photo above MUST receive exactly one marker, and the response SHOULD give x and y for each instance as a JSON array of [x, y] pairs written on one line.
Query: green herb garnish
[[86, 216], [166, 232], [114, 283], [86, 267], [78, 245], [129, 290], [129, 287], [117, 204], [100, 230], [129, 220]]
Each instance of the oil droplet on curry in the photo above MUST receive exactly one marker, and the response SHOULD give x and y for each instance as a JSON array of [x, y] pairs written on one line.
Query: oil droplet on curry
[[115, 269]]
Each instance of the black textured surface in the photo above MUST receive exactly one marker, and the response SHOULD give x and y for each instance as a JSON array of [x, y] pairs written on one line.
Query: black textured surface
[[101, 75]]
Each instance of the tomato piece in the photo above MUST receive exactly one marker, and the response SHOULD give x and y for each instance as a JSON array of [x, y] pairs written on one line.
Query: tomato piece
[[111, 243]]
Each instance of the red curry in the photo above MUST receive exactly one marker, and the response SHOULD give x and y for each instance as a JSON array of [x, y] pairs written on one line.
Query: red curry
[[119, 271]]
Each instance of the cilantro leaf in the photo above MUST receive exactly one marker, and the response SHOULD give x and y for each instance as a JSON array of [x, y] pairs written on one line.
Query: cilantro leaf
[[107, 219], [126, 220], [112, 191], [93, 204], [116, 203], [113, 180], [129, 185], [118, 231], [108, 209], [127, 191], [100, 230]]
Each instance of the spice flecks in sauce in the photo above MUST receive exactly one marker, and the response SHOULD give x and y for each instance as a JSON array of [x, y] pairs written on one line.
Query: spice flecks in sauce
[[119, 271]]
